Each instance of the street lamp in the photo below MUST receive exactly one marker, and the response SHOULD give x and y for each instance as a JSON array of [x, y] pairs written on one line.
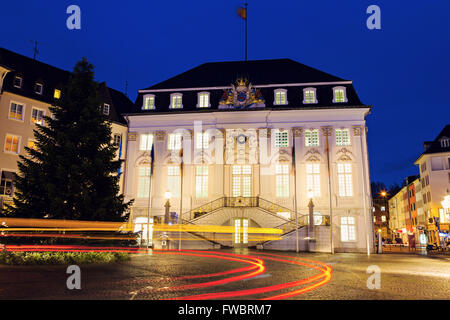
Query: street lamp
[[311, 218], [167, 196]]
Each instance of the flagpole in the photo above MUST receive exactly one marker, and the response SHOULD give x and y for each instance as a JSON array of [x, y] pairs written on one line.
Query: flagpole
[[181, 200], [149, 196], [246, 16], [295, 195], [329, 192]]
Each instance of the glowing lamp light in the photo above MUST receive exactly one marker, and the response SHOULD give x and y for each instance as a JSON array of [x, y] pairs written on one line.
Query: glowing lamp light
[[310, 194], [167, 195]]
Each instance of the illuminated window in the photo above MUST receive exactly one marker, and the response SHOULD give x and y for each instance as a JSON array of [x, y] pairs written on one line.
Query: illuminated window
[[57, 94], [202, 140], [339, 95], [16, 111], [348, 229], [241, 230], [146, 142], [144, 182], [176, 101], [106, 108], [280, 97], [237, 231], [312, 138], [149, 102], [201, 182], [12, 143], [282, 180], [32, 144], [241, 185], [37, 116], [116, 139], [38, 88], [345, 179], [173, 180], [309, 95], [18, 81], [174, 141], [383, 208], [203, 100], [342, 137], [313, 178], [383, 218], [281, 138]]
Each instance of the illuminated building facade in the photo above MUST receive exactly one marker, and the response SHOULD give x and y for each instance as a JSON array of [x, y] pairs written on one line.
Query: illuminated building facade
[[244, 144], [27, 89]]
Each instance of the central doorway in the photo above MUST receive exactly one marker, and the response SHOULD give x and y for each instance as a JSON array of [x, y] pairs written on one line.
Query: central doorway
[[240, 232]]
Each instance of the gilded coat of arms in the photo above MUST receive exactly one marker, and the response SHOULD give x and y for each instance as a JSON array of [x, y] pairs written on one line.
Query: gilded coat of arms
[[242, 95]]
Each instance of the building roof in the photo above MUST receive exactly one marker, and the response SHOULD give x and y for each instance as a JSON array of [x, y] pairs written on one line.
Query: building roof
[[52, 78], [264, 75], [436, 146]]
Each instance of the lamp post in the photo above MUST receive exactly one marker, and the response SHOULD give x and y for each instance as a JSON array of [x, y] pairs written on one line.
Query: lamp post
[[167, 196], [311, 218]]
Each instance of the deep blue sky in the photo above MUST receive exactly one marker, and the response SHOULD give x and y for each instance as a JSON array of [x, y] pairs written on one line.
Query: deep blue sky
[[403, 70]]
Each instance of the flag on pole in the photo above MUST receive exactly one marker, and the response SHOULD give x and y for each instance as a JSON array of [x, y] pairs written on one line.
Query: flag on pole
[[152, 158], [242, 12]]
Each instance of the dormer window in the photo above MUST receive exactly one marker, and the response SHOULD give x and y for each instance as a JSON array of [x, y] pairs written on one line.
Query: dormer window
[[280, 97], [176, 101], [445, 142], [309, 96], [203, 100], [106, 108], [57, 94], [149, 102], [38, 88], [339, 95], [18, 81]]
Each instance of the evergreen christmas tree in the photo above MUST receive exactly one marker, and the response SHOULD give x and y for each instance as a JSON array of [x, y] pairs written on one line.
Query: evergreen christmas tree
[[72, 173]]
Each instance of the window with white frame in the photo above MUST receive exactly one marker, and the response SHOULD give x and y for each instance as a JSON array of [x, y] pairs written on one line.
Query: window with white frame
[[12, 143], [282, 180], [339, 95], [348, 229], [309, 95], [144, 182], [37, 115], [174, 141], [345, 179], [313, 178], [241, 181], [342, 137], [106, 108], [173, 180], [18, 81], [16, 111], [38, 88], [201, 182], [281, 138], [203, 100], [202, 140], [176, 101], [146, 142], [312, 138], [149, 102], [280, 97]]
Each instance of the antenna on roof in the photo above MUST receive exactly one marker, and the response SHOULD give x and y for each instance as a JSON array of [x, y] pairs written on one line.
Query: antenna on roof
[[36, 48]]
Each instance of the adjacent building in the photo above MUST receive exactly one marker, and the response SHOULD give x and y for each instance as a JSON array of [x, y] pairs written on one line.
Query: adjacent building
[[248, 144], [381, 216], [434, 167], [27, 89]]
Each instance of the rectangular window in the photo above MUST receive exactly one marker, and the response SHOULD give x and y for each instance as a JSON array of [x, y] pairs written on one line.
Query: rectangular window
[[16, 111], [106, 108], [201, 182], [6, 183], [18, 82], [281, 139], [312, 138], [146, 142], [144, 182], [280, 97], [37, 115], [173, 180], [57, 94], [149, 102], [282, 180], [309, 96], [313, 179], [38, 88], [176, 102], [202, 140], [345, 179], [348, 229], [116, 139], [342, 137], [339, 95], [174, 141], [12, 143], [203, 100], [241, 182]]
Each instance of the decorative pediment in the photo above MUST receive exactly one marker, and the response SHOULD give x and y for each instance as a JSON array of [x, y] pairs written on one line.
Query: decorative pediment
[[313, 155], [344, 154]]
